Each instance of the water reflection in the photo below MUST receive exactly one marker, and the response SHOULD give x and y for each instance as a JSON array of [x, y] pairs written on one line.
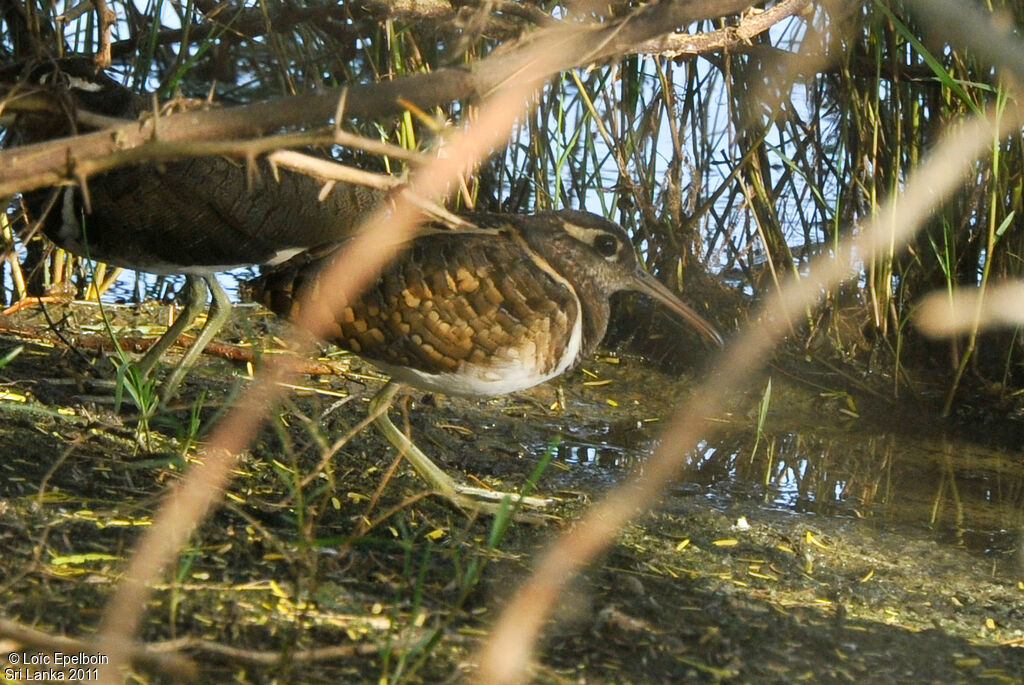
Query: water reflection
[[137, 286], [968, 494], [597, 456]]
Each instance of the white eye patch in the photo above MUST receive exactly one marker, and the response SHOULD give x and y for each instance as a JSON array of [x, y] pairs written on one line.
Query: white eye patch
[[74, 82], [607, 244]]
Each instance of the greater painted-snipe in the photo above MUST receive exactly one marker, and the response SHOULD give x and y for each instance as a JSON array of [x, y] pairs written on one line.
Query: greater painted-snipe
[[482, 313], [196, 216]]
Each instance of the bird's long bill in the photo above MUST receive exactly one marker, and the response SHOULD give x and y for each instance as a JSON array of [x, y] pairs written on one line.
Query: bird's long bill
[[645, 283]]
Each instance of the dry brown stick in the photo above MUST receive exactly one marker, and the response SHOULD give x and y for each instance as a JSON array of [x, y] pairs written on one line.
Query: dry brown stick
[[171, 664], [750, 25], [28, 301], [9, 255], [106, 18], [265, 658], [137, 345], [109, 281]]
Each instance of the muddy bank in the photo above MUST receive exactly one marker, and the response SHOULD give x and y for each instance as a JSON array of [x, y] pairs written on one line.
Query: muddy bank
[[821, 544]]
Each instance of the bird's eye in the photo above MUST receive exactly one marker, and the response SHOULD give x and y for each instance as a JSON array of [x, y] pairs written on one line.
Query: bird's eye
[[606, 245]]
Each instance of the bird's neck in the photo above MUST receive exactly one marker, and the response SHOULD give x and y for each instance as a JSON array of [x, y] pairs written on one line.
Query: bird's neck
[[565, 256]]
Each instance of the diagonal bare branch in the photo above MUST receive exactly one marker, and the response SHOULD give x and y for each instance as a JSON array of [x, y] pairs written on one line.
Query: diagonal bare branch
[[33, 166]]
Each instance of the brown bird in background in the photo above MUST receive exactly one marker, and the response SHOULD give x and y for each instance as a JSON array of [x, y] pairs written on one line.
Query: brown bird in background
[[195, 217]]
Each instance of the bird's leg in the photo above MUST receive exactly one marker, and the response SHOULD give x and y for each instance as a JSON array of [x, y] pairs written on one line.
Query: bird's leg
[[195, 302], [220, 311], [463, 496]]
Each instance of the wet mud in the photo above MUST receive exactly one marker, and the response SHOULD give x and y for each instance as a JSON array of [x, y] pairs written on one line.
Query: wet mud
[[822, 535]]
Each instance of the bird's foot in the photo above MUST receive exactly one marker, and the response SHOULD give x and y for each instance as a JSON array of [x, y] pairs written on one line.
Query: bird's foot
[[465, 497]]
